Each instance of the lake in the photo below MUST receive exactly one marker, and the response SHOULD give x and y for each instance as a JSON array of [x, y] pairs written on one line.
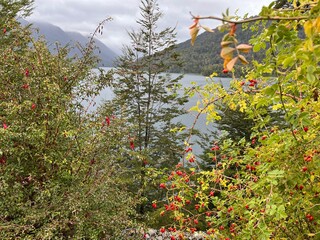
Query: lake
[[186, 119]]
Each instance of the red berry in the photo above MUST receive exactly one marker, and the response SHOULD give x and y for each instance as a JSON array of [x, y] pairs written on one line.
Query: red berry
[[108, 121], [301, 187], [3, 160], [242, 83], [215, 148], [253, 81], [189, 149], [263, 137], [26, 72], [162, 185], [304, 169], [154, 205], [177, 198], [307, 158], [132, 145], [33, 106], [162, 230], [191, 159], [225, 70], [25, 86], [5, 126], [195, 221], [305, 129]]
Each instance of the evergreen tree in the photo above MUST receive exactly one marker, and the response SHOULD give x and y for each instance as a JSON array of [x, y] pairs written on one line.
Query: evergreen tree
[[147, 96]]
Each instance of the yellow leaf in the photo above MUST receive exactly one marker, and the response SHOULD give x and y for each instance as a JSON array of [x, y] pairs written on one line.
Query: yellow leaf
[[242, 105], [276, 106], [226, 52], [244, 48], [316, 25], [194, 34], [231, 63], [232, 106], [207, 28], [312, 178], [308, 28], [214, 74], [223, 183], [243, 59]]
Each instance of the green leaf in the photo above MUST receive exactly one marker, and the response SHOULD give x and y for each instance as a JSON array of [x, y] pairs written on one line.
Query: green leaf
[[270, 91], [289, 61], [276, 173]]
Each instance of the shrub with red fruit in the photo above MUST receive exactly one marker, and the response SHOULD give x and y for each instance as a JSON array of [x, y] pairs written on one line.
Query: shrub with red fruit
[[57, 166], [268, 180]]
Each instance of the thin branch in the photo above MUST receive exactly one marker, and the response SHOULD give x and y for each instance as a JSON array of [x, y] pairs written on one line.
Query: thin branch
[[196, 120], [253, 19]]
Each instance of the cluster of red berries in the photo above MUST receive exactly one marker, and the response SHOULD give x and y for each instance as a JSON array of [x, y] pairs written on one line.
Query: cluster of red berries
[[309, 217]]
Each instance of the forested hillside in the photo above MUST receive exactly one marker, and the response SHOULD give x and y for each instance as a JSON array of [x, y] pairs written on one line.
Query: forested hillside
[[204, 56]]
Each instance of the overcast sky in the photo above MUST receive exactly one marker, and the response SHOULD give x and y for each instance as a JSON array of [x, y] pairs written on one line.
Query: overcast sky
[[84, 15]]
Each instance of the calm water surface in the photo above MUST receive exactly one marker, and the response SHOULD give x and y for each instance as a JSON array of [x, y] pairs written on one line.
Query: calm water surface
[[189, 118]]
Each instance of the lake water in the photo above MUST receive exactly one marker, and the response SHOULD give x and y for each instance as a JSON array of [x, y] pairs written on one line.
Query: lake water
[[189, 118]]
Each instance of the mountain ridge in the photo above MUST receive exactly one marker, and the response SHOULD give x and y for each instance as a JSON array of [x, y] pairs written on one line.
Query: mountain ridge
[[54, 34]]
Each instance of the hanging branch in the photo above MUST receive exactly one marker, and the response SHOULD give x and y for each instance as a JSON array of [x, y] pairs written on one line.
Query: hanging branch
[[253, 19]]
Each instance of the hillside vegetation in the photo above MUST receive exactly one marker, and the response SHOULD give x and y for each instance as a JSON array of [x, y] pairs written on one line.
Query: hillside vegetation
[[204, 56]]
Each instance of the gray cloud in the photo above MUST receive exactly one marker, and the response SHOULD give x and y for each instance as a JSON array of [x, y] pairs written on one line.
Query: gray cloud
[[84, 15]]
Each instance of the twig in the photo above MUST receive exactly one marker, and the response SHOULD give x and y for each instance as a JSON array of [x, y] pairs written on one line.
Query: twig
[[253, 19]]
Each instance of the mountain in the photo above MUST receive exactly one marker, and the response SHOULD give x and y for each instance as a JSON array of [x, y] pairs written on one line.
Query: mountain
[[204, 56], [55, 34]]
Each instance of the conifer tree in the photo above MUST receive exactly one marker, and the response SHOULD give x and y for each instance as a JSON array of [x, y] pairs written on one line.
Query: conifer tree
[[147, 95]]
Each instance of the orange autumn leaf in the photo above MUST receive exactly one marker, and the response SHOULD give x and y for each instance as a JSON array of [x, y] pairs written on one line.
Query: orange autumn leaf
[[207, 28], [226, 43], [195, 23], [243, 59], [193, 34], [245, 48], [231, 63], [232, 29], [226, 61], [227, 52]]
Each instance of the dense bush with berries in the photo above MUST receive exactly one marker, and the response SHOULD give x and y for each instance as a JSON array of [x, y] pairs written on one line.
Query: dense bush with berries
[[58, 164], [267, 187]]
